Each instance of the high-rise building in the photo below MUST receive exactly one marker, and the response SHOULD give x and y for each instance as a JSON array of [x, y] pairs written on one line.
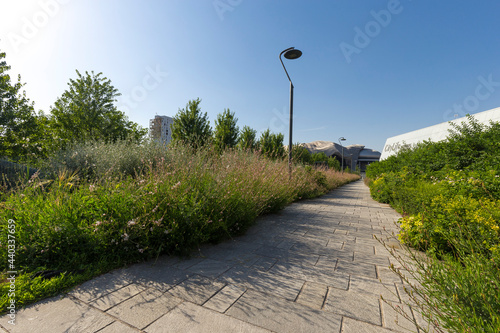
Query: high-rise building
[[159, 129]]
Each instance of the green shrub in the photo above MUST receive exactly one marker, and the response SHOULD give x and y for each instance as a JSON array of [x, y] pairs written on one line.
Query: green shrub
[[449, 194], [98, 159]]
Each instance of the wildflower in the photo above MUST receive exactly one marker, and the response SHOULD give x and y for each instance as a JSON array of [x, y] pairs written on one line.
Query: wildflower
[[141, 250], [176, 185], [167, 231], [131, 223], [57, 229], [97, 223], [125, 237], [91, 188]]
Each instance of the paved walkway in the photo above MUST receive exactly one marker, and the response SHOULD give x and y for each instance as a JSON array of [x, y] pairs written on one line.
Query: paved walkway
[[314, 267]]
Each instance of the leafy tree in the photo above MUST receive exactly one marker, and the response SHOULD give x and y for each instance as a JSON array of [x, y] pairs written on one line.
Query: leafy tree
[[226, 130], [271, 144], [247, 138], [191, 126], [319, 157], [333, 163], [301, 155], [87, 112], [19, 130]]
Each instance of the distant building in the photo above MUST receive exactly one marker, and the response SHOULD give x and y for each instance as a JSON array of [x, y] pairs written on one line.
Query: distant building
[[433, 133], [353, 155], [159, 129]]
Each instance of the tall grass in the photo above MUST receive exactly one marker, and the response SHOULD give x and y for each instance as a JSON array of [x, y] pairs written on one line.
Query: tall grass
[[106, 209]]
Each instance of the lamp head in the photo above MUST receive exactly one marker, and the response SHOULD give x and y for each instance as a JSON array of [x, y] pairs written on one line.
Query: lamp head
[[293, 54]]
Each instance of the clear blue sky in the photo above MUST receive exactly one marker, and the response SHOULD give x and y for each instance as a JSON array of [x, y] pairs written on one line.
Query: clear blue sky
[[369, 70]]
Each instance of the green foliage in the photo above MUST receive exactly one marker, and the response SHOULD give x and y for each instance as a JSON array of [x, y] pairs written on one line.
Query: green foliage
[[87, 112], [247, 138], [330, 161], [271, 144], [191, 126], [97, 160], [20, 134], [449, 193], [334, 163], [301, 154], [319, 157], [186, 198], [226, 130], [452, 295]]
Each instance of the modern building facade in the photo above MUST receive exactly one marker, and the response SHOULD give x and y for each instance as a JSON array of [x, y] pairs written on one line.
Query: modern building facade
[[159, 129], [353, 155], [434, 133]]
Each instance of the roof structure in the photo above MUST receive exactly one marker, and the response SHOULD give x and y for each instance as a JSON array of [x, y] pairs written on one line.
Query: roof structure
[[354, 154], [434, 133]]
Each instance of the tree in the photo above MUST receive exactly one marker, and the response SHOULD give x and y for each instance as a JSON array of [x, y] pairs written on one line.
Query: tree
[[191, 126], [300, 154], [226, 130], [247, 138], [19, 130], [87, 112], [271, 144]]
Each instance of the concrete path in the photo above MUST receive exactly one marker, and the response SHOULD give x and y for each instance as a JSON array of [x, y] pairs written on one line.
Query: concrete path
[[314, 267]]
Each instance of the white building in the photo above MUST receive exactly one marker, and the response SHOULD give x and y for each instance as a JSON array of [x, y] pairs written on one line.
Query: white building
[[434, 133], [159, 128]]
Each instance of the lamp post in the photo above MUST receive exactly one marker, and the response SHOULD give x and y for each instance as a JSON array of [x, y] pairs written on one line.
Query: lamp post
[[340, 141], [290, 53]]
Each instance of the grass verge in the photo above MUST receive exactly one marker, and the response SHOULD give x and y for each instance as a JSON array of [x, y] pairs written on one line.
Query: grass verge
[[86, 221]]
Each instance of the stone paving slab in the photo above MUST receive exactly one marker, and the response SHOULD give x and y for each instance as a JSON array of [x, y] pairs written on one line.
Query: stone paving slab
[[58, 315], [188, 317], [316, 266], [144, 308], [196, 289], [98, 287], [225, 298], [280, 315], [287, 287], [118, 327], [109, 300], [355, 326], [362, 306]]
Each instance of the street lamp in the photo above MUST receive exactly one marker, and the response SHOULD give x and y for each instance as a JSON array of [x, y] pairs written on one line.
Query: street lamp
[[340, 141], [290, 53]]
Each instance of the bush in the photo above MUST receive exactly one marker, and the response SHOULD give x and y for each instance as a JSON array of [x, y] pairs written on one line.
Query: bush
[[94, 160]]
